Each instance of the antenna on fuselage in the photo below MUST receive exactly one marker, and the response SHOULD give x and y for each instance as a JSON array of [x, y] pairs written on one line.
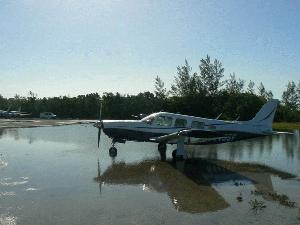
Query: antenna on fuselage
[[219, 116]]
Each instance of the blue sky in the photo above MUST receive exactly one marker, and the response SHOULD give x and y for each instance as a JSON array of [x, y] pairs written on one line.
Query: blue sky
[[76, 47]]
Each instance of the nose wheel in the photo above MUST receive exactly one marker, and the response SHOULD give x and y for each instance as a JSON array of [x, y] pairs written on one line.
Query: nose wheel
[[113, 151]]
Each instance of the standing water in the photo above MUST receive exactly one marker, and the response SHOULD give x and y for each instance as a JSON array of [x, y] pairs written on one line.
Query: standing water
[[57, 175]]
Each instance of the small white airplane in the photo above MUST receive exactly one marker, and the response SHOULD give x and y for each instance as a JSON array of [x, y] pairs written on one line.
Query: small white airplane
[[4, 113], [169, 128], [15, 114]]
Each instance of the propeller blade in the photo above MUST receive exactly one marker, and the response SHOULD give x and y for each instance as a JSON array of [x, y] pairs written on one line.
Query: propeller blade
[[100, 111], [99, 135], [99, 123]]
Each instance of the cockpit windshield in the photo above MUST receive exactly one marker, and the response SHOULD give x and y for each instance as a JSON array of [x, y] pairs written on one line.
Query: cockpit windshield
[[158, 120], [148, 119]]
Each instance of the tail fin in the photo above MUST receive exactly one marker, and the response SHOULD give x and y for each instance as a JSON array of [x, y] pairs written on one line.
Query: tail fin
[[266, 114]]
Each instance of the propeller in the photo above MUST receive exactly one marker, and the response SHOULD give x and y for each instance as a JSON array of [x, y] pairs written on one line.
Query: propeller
[[99, 124], [99, 135]]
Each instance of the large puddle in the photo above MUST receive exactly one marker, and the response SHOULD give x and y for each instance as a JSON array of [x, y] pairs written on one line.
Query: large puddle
[[57, 175]]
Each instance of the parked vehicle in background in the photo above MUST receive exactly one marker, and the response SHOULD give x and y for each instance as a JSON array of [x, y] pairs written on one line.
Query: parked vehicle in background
[[13, 114], [47, 115]]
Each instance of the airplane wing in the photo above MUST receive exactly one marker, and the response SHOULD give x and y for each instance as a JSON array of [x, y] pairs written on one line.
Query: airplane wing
[[169, 137], [188, 133], [201, 133], [281, 132]]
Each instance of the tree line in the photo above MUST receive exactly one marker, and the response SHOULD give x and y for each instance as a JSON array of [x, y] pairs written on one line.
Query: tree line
[[204, 93]]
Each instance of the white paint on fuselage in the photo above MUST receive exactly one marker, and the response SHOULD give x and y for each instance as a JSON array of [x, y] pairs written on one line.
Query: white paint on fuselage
[[209, 125], [210, 129]]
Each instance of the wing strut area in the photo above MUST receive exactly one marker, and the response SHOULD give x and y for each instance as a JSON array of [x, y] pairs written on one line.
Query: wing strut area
[[180, 151]]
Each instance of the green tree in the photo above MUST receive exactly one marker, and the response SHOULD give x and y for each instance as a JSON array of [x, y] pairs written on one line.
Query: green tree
[[261, 89], [262, 92], [160, 90], [250, 87], [298, 95], [3, 102], [209, 80], [185, 81], [233, 85], [290, 96]]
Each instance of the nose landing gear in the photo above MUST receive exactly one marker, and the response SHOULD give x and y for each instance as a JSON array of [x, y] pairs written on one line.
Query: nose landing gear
[[113, 151]]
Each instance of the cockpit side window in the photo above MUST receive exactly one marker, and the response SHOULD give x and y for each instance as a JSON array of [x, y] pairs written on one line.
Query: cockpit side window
[[163, 121], [197, 124], [180, 122]]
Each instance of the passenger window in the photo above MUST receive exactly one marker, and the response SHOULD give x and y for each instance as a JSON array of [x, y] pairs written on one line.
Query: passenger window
[[180, 123], [197, 124], [163, 121]]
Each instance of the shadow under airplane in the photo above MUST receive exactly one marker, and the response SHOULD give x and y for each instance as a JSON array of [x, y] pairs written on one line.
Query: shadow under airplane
[[189, 183]]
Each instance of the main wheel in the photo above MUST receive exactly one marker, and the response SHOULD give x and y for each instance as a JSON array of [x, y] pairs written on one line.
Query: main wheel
[[113, 152], [162, 147], [175, 156]]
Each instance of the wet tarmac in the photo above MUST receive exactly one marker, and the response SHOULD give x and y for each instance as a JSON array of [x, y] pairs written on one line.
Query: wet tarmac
[[57, 175]]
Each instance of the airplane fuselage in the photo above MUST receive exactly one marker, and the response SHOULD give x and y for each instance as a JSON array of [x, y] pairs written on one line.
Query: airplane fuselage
[[170, 128], [163, 123]]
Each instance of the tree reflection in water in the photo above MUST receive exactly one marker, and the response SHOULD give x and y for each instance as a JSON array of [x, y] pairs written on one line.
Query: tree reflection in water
[[247, 149]]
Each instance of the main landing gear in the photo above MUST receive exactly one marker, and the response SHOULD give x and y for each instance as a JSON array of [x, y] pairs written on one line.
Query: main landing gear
[[162, 148], [177, 154]]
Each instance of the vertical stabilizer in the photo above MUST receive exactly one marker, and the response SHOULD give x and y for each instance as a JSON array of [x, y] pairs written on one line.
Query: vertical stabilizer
[[266, 114]]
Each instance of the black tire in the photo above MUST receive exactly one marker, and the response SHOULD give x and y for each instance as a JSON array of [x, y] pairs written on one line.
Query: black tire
[[113, 152], [162, 147], [174, 154], [176, 157]]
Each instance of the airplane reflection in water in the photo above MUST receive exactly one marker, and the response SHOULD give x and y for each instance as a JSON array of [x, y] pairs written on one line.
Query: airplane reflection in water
[[189, 183]]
